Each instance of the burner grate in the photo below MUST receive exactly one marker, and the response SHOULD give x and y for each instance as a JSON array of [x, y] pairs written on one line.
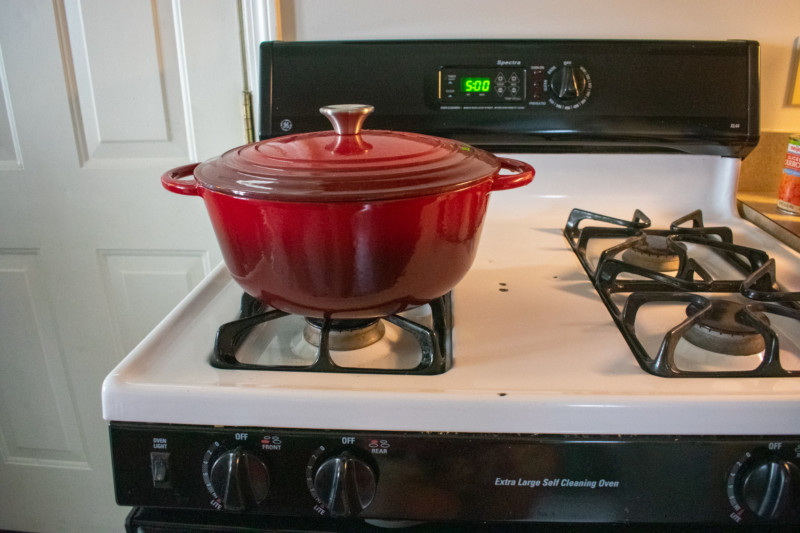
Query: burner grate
[[635, 232], [626, 288], [752, 316], [435, 343]]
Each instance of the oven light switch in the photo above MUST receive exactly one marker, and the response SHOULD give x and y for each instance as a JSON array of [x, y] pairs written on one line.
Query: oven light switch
[[159, 467]]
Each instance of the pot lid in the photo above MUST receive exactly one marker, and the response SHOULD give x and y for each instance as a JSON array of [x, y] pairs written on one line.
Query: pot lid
[[346, 164]]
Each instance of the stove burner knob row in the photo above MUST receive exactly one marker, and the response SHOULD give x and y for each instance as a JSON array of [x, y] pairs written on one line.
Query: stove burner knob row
[[345, 484], [769, 487], [240, 479]]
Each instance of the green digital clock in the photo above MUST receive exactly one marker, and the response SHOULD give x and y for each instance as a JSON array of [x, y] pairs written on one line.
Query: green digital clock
[[475, 85]]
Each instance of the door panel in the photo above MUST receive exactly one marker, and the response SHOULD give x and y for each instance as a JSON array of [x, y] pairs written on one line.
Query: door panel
[[127, 69], [33, 374], [97, 99], [10, 157], [144, 285]]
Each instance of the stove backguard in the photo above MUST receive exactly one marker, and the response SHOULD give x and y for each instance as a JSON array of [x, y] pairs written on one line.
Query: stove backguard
[[526, 95]]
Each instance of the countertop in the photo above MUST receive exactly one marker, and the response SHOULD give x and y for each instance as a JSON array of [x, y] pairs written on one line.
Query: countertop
[[758, 189], [761, 209]]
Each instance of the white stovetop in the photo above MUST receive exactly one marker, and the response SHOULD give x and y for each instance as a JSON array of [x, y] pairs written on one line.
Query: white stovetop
[[542, 357]]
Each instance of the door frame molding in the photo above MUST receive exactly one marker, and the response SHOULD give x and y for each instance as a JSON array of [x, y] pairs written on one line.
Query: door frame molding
[[259, 21]]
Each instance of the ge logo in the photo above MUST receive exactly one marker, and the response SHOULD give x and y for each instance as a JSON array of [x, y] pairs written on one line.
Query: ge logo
[[286, 124]]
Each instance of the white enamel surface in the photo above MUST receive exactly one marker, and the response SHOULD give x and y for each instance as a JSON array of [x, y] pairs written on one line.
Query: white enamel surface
[[542, 357]]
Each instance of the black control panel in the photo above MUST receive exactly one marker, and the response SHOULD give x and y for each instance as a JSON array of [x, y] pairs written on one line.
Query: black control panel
[[459, 477], [526, 95]]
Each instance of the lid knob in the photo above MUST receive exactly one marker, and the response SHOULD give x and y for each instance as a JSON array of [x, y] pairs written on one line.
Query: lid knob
[[347, 118]]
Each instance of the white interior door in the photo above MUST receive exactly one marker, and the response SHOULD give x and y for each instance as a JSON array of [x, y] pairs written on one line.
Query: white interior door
[[97, 99]]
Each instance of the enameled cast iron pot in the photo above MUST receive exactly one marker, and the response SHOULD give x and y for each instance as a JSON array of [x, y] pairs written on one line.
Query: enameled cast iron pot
[[348, 223]]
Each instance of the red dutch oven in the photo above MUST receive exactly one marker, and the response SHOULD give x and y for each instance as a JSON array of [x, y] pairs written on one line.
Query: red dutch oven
[[348, 223]]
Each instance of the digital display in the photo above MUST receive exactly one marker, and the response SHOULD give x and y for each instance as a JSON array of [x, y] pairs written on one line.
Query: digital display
[[475, 85], [483, 85]]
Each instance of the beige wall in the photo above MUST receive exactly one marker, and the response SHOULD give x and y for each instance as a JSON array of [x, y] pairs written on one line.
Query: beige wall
[[774, 23]]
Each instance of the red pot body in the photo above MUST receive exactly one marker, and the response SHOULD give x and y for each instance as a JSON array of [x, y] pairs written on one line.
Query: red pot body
[[349, 259], [348, 223]]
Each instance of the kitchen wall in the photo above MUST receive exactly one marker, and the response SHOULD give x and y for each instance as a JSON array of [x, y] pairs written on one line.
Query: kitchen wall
[[774, 23]]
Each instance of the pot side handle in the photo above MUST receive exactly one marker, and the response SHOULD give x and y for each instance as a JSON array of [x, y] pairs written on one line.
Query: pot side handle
[[523, 174], [176, 181]]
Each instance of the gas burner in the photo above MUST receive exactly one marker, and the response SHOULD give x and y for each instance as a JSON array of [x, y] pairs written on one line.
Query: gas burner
[[718, 330], [652, 253], [345, 335], [760, 332], [717, 337], [630, 277], [427, 337], [635, 243]]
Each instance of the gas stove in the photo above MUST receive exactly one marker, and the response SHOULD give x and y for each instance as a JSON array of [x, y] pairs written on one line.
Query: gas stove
[[557, 382]]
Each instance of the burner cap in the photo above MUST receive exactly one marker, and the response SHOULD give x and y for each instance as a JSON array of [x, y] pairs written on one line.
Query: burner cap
[[345, 335], [652, 253], [718, 331]]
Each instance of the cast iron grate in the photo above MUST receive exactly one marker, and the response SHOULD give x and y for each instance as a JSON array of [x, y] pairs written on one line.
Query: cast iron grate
[[617, 280], [435, 343]]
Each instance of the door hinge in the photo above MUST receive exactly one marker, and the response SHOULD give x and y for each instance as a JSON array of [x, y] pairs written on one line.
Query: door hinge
[[247, 114]]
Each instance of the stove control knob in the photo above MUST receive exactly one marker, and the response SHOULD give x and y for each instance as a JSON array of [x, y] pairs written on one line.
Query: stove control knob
[[345, 484], [569, 83], [240, 479], [771, 488]]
